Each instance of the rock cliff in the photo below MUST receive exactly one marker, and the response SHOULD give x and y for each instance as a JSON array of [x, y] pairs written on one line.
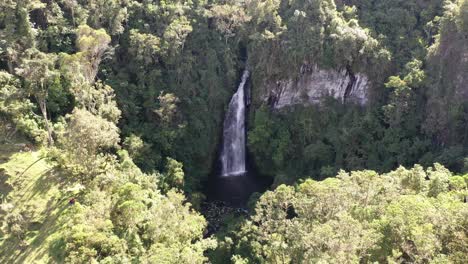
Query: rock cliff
[[314, 83]]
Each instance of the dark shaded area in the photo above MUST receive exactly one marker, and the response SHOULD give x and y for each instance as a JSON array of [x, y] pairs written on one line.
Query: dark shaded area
[[291, 213], [220, 216], [352, 81], [5, 187], [235, 190]]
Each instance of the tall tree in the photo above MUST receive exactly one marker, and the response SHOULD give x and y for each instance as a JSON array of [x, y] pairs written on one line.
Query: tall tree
[[84, 142], [38, 71]]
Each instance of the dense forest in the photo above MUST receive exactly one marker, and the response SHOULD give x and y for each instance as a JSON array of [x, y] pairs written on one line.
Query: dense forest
[[111, 123]]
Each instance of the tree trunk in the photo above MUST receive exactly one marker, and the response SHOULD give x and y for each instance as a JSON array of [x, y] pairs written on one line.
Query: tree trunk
[[43, 107], [73, 15], [10, 66]]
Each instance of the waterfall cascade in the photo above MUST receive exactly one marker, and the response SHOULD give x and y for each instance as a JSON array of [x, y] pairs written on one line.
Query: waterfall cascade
[[233, 151]]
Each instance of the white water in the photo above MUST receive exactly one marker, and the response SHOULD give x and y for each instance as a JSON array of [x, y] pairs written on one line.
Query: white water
[[233, 152]]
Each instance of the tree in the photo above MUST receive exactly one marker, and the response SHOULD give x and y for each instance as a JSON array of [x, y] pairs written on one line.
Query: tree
[[229, 18], [134, 145], [98, 99], [167, 111], [129, 220], [15, 224], [17, 34], [145, 47], [439, 180], [463, 19], [109, 14], [16, 106], [84, 143], [38, 71], [82, 67], [175, 35], [400, 102], [173, 177], [130, 207], [357, 217], [177, 238]]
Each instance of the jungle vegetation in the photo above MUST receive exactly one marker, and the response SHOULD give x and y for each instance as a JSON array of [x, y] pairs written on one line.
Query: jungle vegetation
[[111, 116]]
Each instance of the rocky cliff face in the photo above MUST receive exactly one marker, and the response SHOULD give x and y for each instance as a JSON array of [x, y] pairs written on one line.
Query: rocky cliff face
[[314, 83]]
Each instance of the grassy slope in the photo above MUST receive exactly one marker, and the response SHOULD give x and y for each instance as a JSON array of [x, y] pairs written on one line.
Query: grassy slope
[[36, 193]]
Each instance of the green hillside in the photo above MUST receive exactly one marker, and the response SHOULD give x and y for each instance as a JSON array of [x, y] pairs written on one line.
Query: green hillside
[[35, 202]]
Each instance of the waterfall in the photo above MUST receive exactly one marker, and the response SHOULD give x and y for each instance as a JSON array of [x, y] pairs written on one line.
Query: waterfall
[[233, 151]]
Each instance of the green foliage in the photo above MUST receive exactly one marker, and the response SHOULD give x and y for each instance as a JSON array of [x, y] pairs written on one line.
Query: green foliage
[[229, 18], [173, 68], [118, 215], [401, 26], [173, 178], [145, 47], [109, 15], [318, 141], [38, 70], [135, 223], [307, 32], [171, 91], [159, 75], [83, 143], [98, 99], [134, 145], [15, 105], [17, 34], [14, 225], [82, 67], [357, 217], [447, 125]]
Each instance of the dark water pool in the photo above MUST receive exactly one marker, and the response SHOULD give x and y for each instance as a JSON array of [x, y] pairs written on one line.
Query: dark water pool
[[236, 190]]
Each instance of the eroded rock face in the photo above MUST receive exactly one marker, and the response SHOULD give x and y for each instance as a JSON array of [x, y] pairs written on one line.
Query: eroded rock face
[[314, 83]]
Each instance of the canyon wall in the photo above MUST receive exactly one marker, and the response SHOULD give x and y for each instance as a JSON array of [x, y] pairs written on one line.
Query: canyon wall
[[313, 83]]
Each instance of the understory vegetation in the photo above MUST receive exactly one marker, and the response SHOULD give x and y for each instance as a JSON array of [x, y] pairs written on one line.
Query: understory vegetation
[[111, 115]]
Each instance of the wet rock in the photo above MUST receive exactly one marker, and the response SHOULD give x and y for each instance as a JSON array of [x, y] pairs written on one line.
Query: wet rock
[[215, 213]]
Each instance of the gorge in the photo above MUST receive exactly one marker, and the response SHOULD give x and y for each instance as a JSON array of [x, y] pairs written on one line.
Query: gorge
[[192, 132]]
